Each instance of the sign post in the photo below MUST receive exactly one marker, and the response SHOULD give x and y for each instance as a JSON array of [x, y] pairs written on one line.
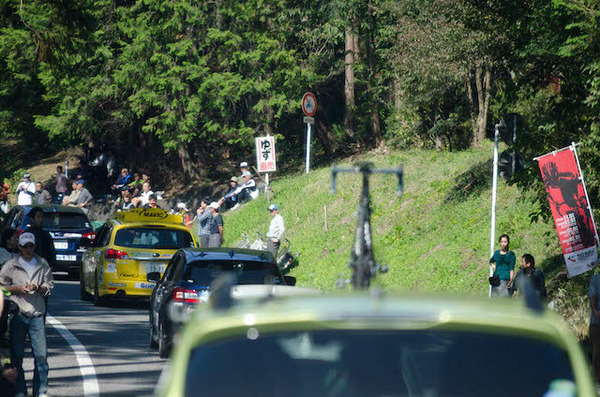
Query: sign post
[[309, 107], [265, 157]]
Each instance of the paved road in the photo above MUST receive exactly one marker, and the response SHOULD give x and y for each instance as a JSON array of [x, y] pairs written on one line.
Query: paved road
[[116, 339]]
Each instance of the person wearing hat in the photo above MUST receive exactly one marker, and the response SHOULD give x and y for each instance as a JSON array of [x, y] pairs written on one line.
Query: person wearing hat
[[276, 230], [29, 279], [85, 197], [229, 200], [215, 238], [244, 167], [25, 191], [247, 190]]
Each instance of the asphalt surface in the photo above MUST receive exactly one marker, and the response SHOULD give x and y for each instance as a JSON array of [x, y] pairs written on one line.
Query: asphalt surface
[[115, 336]]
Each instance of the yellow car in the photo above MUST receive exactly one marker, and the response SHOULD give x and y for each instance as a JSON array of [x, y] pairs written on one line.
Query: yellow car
[[128, 247], [362, 344]]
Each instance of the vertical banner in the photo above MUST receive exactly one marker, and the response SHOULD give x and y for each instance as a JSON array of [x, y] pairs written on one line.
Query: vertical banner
[[570, 208], [265, 154]]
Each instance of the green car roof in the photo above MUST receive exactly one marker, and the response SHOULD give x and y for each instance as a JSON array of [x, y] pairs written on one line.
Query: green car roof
[[363, 311]]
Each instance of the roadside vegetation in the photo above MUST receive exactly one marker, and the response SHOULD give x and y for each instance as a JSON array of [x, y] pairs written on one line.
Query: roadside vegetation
[[435, 237]]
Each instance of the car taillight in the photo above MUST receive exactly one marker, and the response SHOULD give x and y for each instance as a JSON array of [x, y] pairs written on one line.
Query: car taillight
[[185, 295], [114, 254], [90, 235]]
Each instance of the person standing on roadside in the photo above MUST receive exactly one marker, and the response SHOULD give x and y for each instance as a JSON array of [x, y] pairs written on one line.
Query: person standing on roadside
[[85, 197], [204, 218], [61, 184], [216, 226], [276, 230], [29, 279], [535, 275], [25, 191], [45, 244], [42, 196], [503, 265]]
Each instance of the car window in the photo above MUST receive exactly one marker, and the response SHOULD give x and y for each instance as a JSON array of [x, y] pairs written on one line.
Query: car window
[[156, 238], [107, 235], [103, 236], [174, 263], [371, 363], [63, 220], [247, 272]]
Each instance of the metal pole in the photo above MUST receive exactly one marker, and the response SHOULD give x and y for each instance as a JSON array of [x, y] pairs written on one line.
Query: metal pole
[[494, 188], [308, 126], [574, 149]]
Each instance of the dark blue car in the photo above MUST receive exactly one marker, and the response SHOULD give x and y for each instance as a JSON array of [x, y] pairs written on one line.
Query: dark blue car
[[66, 225], [189, 275]]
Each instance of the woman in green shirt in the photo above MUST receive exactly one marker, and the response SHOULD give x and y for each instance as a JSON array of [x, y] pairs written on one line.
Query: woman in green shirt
[[503, 264]]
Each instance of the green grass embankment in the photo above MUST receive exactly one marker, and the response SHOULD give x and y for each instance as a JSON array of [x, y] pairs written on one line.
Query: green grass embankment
[[435, 237]]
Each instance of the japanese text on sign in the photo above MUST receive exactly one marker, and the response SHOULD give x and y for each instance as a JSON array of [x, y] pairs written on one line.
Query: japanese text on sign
[[265, 154]]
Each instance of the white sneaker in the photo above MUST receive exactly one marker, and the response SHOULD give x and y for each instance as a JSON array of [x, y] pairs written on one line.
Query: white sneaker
[[44, 395], [235, 207]]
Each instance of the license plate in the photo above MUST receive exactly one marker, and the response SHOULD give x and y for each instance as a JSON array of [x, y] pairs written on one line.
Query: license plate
[[156, 267], [145, 285], [61, 245], [70, 258]]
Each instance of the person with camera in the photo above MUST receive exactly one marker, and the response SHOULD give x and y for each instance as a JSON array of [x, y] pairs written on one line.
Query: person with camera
[[28, 278], [503, 266]]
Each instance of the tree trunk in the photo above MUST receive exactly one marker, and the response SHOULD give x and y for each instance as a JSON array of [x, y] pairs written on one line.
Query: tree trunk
[[375, 118], [349, 82], [479, 112]]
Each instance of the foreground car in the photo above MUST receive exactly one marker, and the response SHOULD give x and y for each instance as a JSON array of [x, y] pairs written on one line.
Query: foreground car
[[67, 226], [365, 345], [127, 248], [188, 277]]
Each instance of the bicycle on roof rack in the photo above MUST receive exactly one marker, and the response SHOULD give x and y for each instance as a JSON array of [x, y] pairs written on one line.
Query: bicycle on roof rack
[[362, 262]]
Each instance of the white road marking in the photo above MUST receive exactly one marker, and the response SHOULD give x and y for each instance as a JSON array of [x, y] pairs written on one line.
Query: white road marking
[[86, 367]]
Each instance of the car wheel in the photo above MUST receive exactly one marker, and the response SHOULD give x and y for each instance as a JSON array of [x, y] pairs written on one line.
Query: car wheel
[[153, 343], [97, 299], [83, 294], [164, 347]]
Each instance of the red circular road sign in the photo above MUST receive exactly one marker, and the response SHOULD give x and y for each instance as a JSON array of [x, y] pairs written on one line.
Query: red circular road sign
[[309, 104]]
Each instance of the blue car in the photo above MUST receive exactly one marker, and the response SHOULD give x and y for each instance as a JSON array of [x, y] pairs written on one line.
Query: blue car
[[66, 225], [188, 276]]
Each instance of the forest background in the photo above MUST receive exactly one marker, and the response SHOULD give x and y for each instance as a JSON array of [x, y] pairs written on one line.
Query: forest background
[[184, 87]]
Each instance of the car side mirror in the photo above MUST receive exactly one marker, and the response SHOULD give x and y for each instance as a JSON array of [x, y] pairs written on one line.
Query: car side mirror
[[85, 242], [153, 277], [289, 280]]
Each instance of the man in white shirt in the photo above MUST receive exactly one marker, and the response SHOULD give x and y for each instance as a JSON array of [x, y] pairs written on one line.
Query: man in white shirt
[[25, 191], [276, 230], [144, 197]]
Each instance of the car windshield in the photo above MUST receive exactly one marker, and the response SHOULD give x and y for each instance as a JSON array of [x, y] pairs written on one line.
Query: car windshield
[[62, 220], [247, 272], [157, 238], [387, 363]]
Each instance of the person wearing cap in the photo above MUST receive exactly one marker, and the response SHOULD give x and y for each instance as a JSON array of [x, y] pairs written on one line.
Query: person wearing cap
[[229, 200], [276, 230], [85, 197], [28, 278], [25, 191], [244, 167], [247, 190], [215, 238]]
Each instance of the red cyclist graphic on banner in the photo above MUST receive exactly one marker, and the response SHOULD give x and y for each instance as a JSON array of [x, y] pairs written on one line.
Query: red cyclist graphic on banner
[[570, 209]]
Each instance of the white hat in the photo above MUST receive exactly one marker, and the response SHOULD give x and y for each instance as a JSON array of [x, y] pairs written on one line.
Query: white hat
[[214, 205], [246, 173], [25, 238], [244, 165]]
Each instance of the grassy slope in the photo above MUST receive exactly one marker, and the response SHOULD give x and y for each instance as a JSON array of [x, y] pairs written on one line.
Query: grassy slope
[[434, 238]]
